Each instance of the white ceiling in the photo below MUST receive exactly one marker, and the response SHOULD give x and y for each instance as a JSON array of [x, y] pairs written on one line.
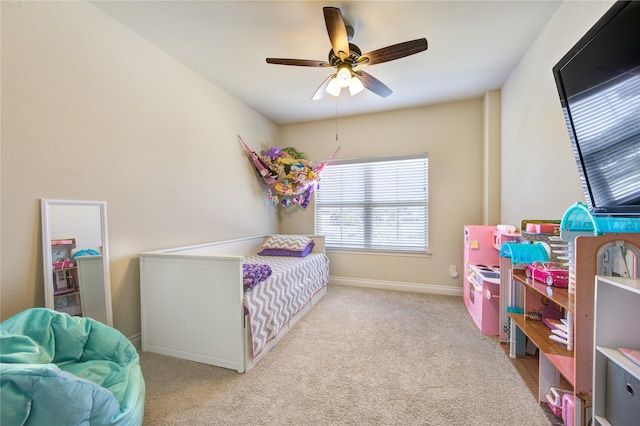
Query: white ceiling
[[473, 47]]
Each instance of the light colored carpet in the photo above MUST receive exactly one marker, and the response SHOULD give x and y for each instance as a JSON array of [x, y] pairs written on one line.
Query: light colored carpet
[[361, 356]]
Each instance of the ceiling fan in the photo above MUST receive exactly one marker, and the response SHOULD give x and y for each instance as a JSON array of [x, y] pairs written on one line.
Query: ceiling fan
[[345, 56]]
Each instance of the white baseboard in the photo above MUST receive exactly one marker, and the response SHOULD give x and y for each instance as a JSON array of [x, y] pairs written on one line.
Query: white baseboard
[[136, 340], [398, 286]]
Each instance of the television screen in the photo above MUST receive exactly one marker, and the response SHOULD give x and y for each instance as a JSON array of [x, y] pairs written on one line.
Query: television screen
[[598, 81]]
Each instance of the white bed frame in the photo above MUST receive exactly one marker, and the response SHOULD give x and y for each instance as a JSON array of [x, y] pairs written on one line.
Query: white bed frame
[[192, 303]]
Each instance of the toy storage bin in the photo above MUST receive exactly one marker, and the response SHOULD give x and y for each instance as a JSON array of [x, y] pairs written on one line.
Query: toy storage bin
[[623, 399]]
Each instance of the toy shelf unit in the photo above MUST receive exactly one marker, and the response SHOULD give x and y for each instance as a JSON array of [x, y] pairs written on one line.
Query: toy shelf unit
[[589, 246], [514, 256], [616, 367], [546, 232], [481, 278], [66, 290], [554, 356], [540, 322]]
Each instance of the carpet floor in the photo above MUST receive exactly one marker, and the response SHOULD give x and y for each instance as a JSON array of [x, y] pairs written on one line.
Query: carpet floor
[[361, 356]]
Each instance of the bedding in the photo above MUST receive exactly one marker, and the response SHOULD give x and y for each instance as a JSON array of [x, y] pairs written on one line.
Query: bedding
[[292, 284], [253, 274]]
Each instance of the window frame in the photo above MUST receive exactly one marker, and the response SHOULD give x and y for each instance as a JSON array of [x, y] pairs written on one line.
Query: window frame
[[368, 246]]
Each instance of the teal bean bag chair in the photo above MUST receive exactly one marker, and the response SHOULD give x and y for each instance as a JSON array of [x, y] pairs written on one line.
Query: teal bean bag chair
[[59, 369]]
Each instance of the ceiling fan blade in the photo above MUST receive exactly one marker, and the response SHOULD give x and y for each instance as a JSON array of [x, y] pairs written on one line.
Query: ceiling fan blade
[[373, 84], [393, 52], [337, 31], [298, 62], [322, 90]]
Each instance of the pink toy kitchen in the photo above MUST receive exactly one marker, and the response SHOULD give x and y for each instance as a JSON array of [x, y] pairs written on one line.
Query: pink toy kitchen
[[481, 281]]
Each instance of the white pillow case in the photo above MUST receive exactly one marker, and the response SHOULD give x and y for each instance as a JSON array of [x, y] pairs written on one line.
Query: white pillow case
[[287, 242]]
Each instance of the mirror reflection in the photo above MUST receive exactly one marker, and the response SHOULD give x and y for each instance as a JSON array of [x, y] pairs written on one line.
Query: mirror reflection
[[75, 254], [619, 259]]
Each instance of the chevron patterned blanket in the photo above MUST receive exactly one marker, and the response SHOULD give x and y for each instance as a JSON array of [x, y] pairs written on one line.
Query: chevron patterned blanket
[[292, 284]]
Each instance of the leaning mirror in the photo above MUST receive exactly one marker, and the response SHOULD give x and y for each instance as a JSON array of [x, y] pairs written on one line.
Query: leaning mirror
[[76, 258]]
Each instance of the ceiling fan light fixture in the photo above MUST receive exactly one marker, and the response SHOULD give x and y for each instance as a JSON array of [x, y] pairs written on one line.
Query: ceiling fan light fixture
[[333, 88], [355, 86], [343, 76]]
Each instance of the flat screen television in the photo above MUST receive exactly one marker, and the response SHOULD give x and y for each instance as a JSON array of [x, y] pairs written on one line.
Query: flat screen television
[[598, 82]]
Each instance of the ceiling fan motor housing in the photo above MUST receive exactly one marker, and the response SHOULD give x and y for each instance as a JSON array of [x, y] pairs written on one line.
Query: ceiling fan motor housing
[[354, 55]]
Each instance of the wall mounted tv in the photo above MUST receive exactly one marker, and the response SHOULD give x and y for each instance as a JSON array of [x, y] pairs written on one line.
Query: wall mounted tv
[[598, 81]]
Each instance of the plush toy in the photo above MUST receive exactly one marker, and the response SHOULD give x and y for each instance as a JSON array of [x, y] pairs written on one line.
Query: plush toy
[[293, 152], [290, 178]]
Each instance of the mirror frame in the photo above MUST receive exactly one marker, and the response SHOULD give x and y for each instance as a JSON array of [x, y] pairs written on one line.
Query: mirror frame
[[45, 213]]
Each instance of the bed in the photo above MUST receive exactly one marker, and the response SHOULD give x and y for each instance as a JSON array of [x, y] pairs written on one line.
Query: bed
[[194, 304]]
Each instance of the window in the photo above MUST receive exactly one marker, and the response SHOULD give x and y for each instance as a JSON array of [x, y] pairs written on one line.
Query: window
[[379, 204]]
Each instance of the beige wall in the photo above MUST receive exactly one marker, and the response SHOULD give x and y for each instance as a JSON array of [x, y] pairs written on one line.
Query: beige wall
[[492, 203], [528, 143], [90, 111], [539, 175], [452, 134]]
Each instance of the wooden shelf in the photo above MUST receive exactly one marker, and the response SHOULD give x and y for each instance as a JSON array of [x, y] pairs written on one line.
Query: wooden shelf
[[68, 292], [619, 358], [558, 295], [69, 268], [539, 333]]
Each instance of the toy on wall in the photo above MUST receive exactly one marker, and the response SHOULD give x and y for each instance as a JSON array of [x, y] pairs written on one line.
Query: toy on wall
[[290, 178]]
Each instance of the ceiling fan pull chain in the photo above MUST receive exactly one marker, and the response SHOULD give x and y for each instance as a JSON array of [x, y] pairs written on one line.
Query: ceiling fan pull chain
[[336, 119]]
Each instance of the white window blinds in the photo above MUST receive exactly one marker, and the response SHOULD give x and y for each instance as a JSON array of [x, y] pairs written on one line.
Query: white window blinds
[[376, 204]]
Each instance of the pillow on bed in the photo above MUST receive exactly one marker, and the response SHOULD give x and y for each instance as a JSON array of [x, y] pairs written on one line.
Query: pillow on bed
[[289, 253], [287, 242]]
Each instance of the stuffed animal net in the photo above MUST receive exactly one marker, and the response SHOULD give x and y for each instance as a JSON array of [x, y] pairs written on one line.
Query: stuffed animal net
[[290, 178]]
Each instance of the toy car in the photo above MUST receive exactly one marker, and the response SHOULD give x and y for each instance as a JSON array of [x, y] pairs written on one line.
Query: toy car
[[549, 273]]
